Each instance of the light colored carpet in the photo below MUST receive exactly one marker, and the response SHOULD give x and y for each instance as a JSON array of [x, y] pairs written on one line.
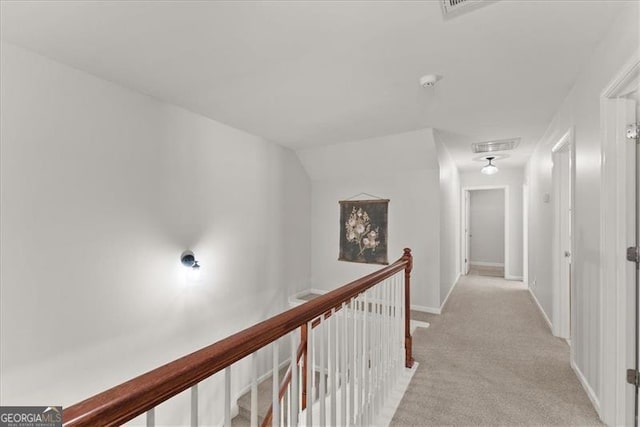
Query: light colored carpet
[[490, 360], [481, 270]]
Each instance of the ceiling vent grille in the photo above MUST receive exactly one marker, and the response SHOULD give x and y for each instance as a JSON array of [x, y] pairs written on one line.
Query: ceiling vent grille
[[452, 8], [492, 146]]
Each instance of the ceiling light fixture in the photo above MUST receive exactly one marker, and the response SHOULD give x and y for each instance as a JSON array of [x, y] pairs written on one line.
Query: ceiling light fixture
[[429, 80], [188, 259], [489, 168]]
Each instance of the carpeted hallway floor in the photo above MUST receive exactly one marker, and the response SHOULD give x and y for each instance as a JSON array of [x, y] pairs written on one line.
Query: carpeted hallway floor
[[490, 360]]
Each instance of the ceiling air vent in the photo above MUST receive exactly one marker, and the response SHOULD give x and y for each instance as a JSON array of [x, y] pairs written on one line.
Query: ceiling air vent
[[452, 8], [491, 146]]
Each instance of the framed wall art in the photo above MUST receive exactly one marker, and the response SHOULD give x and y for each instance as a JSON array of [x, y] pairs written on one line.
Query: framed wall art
[[363, 231]]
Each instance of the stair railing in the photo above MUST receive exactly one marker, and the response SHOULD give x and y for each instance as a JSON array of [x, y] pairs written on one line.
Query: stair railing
[[356, 339]]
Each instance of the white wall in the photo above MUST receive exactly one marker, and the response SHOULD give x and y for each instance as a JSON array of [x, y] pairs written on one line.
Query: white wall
[[513, 180], [487, 227], [413, 210], [449, 219], [102, 189], [580, 111]]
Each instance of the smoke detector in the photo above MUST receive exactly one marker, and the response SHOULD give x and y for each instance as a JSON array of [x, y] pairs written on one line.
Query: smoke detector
[[429, 80]]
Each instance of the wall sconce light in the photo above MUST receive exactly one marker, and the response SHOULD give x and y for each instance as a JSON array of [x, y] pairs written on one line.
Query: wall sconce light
[[188, 259], [489, 168]]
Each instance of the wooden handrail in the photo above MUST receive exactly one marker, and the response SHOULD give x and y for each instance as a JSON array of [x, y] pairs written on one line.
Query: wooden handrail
[[126, 401]]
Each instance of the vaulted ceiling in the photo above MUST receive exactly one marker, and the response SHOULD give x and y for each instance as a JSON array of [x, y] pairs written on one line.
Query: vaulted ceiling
[[304, 74]]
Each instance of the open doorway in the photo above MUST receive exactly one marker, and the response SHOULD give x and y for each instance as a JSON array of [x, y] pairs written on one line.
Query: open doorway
[[485, 247]]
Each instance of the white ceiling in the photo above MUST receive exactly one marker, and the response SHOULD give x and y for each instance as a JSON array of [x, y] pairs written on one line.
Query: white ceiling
[[305, 74]]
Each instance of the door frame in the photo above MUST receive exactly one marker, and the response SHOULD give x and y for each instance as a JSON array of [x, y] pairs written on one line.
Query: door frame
[[507, 214], [615, 319], [560, 315], [525, 234], [467, 228]]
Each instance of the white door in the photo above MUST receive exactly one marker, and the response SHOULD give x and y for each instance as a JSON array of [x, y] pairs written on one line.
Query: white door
[[562, 230], [565, 240], [467, 231]]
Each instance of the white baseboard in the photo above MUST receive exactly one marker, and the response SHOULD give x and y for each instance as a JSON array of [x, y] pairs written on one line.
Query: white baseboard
[[487, 264], [433, 310], [415, 324], [592, 396], [425, 309], [449, 293], [510, 277], [546, 318]]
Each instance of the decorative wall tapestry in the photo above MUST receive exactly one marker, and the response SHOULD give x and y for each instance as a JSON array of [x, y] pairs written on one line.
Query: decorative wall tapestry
[[363, 231]]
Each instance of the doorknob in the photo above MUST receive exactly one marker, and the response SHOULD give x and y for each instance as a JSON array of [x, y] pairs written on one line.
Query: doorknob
[[567, 254]]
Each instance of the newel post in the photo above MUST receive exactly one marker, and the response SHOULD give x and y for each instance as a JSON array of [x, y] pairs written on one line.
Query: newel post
[[407, 311]]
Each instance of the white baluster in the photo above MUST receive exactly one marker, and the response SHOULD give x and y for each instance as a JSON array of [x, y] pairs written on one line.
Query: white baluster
[[378, 346], [392, 322], [367, 355], [384, 319], [391, 338], [394, 306], [387, 345], [254, 389], [333, 348], [359, 365], [194, 406], [354, 361], [399, 320], [373, 322], [392, 346], [227, 396], [288, 412], [310, 374], [151, 417], [283, 408], [353, 356], [403, 309], [360, 339], [343, 364], [275, 398], [293, 396], [323, 374]]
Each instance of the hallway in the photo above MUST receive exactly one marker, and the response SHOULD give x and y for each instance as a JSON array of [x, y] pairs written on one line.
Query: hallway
[[490, 359]]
